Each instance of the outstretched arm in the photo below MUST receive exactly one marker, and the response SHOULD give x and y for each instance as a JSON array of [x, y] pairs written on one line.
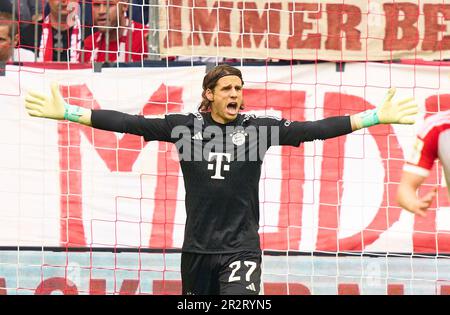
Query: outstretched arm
[[54, 107], [389, 112], [407, 194]]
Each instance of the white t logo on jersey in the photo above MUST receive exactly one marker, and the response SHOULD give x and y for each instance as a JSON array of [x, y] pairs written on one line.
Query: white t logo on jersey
[[219, 159]]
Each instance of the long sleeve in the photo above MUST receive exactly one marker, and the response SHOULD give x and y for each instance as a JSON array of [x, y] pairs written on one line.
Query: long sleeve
[[286, 132], [149, 128], [320, 129]]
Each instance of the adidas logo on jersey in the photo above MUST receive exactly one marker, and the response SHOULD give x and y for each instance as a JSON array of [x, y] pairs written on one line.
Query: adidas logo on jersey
[[251, 287], [197, 136]]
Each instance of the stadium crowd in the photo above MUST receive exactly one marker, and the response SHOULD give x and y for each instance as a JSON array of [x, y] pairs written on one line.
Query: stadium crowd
[[105, 31], [73, 30]]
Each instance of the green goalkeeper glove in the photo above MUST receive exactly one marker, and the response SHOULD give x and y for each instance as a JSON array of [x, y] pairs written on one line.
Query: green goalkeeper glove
[[54, 106], [401, 112]]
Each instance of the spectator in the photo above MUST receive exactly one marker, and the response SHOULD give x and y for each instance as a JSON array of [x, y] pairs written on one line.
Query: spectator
[[9, 38], [27, 10], [59, 33], [85, 12], [117, 38]]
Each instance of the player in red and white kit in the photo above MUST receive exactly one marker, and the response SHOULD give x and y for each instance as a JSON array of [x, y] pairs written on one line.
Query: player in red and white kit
[[433, 142]]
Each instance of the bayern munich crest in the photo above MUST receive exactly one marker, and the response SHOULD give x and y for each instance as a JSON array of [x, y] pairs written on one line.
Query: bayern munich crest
[[238, 137]]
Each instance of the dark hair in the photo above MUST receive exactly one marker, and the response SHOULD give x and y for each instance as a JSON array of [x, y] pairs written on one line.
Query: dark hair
[[210, 82]]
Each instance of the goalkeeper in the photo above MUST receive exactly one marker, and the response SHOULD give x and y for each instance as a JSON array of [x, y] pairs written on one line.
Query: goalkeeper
[[221, 250]]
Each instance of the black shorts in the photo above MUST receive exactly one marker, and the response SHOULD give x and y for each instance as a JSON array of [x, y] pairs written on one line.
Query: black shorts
[[225, 274]]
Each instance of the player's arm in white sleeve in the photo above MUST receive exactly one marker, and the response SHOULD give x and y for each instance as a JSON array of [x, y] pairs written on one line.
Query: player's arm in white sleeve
[[54, 107], [407, 196], [389, 112], [416, 169]]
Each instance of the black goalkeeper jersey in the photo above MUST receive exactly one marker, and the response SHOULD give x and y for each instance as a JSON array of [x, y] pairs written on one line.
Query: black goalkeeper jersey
[[221, 165]]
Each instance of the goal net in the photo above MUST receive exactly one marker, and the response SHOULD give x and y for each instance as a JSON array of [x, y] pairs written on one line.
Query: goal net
[[86, 211]]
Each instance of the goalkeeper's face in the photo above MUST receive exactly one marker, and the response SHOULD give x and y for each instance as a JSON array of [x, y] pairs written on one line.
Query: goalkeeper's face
[[226, 99]]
